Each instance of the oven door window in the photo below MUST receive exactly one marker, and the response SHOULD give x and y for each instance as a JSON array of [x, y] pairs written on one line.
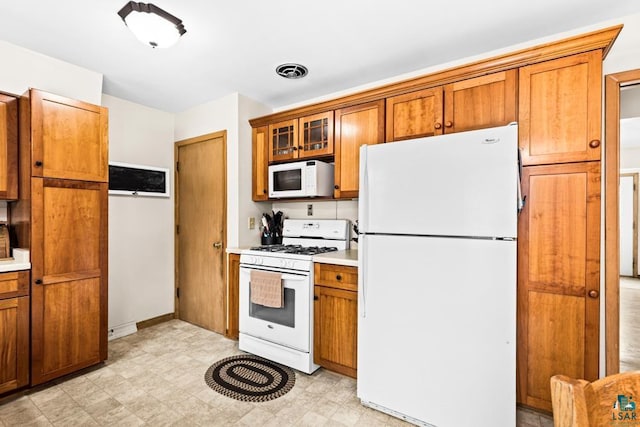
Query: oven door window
[[287, 180], [284, 316]]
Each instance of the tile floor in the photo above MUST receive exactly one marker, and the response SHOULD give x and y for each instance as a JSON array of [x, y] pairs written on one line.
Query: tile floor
[[155, 377]]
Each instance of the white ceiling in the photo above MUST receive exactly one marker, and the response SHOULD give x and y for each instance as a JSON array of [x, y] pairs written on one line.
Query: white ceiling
[[235, 45]]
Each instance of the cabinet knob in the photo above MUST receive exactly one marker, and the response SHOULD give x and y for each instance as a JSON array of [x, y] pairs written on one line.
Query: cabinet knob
[[437, 125], [593, 294], [338, 277], [300, 147], [38, 163], [594, 144], [38, 281], [337, 187], [294, 148], [315, 297], [264, 191], [448, 124]]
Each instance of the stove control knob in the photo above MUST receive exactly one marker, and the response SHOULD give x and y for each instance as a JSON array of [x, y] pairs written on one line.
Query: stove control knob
[[283, 263], [251, 260]]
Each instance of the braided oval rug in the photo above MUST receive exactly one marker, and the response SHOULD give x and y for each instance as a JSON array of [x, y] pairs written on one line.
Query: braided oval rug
[[250, 378]]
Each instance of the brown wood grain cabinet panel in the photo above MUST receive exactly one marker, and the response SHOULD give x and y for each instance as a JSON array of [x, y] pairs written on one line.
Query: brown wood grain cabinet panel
[[415, 114], [336, 329], [482, 102], [558, 277], [69, 295], [283, 141], [336, 318], [8, 147], [14, 284], [316, 135], [70, 138], [355, 126], [560, 106], [260, 164], [14, 343], [233, 317]]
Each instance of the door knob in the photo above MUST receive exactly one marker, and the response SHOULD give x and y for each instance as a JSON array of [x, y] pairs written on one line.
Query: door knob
[[593, 294], [448, 124], [217, 245], [437, 125], [594, 144]]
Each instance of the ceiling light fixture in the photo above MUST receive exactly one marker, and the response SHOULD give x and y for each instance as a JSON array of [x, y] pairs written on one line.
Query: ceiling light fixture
[[292, 71], [152, 25]]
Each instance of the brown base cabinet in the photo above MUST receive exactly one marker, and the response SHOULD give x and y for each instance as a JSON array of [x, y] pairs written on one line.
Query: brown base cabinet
[[233, 292], [14, 330], [336, 318]]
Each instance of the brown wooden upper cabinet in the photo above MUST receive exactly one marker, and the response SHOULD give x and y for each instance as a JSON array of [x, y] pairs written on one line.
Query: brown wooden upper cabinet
[[310, 136], [481, 102], [476, 103], [69, 137], [8, 147], [559, 111], [355, 126], [260, 164], [415, 114], [316, 135]]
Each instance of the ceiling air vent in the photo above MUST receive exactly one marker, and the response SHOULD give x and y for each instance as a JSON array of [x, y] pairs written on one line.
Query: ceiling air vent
[[292, 71]]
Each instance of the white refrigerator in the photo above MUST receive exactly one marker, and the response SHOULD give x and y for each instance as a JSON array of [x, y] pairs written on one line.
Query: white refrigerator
[[437, 278]]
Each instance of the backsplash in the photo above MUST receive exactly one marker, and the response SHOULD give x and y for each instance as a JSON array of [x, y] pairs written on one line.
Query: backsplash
[[3, 211], [320, 209]]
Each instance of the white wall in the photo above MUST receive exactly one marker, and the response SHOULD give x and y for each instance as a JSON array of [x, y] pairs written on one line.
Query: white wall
[[22, 69], [230, 113], [141, 247]]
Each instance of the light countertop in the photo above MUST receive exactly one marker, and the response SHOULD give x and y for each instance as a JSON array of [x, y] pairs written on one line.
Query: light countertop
[[237, 250], [348, 257], [19, 262]]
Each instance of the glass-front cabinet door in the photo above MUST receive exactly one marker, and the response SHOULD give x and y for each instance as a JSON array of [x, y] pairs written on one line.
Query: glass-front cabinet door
[[316, 135], [283, 140]]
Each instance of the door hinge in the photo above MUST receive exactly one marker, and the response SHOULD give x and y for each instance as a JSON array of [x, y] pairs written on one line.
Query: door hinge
[[177, 292]]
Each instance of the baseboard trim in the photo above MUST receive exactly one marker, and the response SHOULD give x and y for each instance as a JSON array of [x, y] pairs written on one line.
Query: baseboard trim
[[155, 321], [122, 330]]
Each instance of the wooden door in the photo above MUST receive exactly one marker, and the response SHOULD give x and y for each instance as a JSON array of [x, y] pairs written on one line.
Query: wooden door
[[316, 135], [415, 114], [336, 329], [558, 278], [628, 228], [8, 147], [355, 126], [260, 164], [201, 182], [559, 112], [69, 138], [69, 276], [283, 141], [14, 343], [481, 102], [233, 318]]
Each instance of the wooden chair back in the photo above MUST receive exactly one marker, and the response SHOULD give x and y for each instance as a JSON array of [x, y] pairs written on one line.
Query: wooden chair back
[[609, 401]]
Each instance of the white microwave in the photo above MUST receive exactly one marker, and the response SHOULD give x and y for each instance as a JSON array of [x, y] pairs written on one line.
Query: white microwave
[[310, 178]]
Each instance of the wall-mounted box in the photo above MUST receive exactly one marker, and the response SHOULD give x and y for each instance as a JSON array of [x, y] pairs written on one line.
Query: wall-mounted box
[[128, 179]]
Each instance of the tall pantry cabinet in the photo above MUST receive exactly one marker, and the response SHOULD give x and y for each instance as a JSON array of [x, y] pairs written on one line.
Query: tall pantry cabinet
[[62, 217]]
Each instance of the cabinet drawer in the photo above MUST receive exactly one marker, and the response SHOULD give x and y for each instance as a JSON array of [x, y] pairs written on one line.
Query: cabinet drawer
[[336, 276], [14, 284]]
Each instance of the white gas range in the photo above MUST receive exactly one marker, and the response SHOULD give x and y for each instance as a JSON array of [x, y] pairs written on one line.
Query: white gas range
[[285, 335]]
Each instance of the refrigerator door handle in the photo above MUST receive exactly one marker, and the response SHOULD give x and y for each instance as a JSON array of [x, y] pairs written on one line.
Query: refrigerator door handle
[[362, 271], [521, 198], [363, 196]]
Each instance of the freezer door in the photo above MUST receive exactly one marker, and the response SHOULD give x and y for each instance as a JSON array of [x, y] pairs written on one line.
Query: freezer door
[[462, 184], [437, 329]]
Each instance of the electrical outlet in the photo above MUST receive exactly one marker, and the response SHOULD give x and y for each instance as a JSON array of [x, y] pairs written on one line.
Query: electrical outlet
[[252, 223], [309, 210]]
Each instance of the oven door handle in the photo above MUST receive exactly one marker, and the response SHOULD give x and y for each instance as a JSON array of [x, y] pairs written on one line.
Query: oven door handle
[[285, 276]]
